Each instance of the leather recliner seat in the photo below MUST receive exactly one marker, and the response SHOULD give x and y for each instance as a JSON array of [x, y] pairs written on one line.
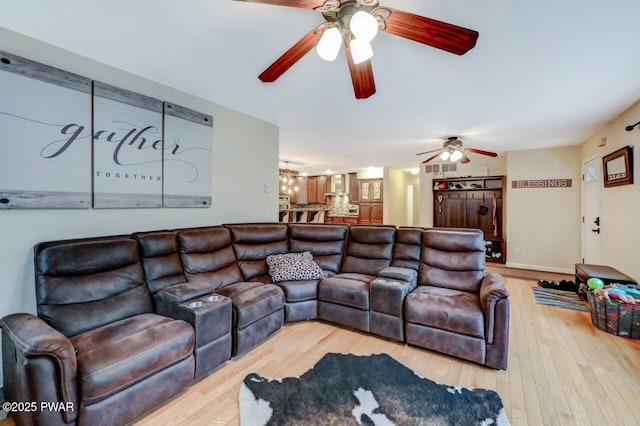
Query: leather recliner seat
[[174, 296], [457, 309], [344, 298], [97, 333], [326, 243], [210, 264]]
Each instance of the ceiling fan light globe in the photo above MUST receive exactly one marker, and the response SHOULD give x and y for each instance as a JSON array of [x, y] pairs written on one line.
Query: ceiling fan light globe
[[361, 50], [329, 45], [445, 156], [456, 155], [363, 25]]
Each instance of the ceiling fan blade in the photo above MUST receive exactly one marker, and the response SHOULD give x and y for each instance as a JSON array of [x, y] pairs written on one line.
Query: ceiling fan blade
[[441, 35], [431, 158], [361, 76], [429, 152], [481, 152], [464, 159], [304, 4], [290, 57]]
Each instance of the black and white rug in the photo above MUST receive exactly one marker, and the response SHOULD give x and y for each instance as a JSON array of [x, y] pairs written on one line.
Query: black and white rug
[[364, 390]]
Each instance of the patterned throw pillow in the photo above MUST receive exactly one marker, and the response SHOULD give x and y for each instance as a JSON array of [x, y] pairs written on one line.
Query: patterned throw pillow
[[293, 267]]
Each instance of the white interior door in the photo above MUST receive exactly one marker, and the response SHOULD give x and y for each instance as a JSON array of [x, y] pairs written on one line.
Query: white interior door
[[409, 205], [591, 192]]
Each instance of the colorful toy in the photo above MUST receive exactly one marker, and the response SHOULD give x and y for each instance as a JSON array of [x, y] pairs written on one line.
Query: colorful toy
[[594, 283], [634, 292]]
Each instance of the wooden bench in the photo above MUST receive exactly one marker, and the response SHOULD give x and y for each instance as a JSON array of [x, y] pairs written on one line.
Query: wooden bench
[[605, 273]]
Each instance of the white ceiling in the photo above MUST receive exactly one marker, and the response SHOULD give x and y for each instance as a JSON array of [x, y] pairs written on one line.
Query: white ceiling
[[543, 73]]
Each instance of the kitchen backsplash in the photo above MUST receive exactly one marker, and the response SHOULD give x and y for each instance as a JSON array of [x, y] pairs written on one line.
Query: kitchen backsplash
[[339, 204]]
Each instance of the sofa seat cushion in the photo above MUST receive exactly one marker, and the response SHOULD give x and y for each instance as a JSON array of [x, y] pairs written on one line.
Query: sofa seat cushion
[[452, 310], [343, 291], [299, 291], [252, 301], [117, 355], [365, 278]]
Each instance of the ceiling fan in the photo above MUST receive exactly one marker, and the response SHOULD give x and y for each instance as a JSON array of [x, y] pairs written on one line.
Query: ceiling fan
[[453, 150], [355, 23]]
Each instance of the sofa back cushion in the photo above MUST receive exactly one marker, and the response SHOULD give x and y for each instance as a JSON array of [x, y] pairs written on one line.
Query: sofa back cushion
[[85, 284], [207, 256], [452, 258], [407, 248], [160, 259], [325, 242], [253, 242], [369, 249]]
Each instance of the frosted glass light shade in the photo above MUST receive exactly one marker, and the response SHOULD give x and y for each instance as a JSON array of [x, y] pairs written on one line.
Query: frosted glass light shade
[[329, 45], [456, 155], [360, 50], [445, 156], [363, 26]]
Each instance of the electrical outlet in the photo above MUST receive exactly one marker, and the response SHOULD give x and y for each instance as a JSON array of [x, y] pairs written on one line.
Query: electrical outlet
[[517, 252]]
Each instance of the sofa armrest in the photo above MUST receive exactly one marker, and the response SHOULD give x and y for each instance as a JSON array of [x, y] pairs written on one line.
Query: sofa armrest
[[494, 300], [400, 274], [180, 293], [492, 290], [27, 341]]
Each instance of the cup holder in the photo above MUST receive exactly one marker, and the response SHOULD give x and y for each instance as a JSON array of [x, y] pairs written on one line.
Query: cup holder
[[195, 304], [212, 298]]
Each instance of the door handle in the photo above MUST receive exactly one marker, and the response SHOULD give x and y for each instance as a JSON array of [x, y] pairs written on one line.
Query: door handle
[[597, 221], [597, 230]]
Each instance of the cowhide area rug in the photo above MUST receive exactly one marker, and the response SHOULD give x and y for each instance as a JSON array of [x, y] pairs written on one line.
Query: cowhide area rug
[[364, 390]]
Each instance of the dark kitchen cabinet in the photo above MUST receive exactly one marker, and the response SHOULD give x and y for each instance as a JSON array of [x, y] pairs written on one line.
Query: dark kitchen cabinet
[[322, 189], [474, 202], [317, 187], [302, 193], [312, 189], [370, 201], [353, 188]]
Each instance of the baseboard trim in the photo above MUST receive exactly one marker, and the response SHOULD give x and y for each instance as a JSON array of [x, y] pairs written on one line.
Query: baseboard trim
[[541, 268]]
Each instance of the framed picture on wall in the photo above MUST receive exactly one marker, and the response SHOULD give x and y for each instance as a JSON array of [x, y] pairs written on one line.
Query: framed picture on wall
[[127, 148], [618, 167], [188, 143], [45, 136]]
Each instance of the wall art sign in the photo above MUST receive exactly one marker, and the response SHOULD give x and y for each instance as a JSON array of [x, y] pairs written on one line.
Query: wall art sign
[[188, 140], [127, 148], [618, 167], [541, 183], [45, 143]]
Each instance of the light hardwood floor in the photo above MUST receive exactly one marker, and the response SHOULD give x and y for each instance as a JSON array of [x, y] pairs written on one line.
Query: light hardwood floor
[[562, 370]]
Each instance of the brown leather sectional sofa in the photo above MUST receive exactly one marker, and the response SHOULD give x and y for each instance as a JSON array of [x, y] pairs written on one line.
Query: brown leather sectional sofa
[[126, 322]]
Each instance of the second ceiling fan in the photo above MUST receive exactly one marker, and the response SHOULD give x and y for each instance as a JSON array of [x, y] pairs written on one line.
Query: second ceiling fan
[[453, 150], [354, 23]]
